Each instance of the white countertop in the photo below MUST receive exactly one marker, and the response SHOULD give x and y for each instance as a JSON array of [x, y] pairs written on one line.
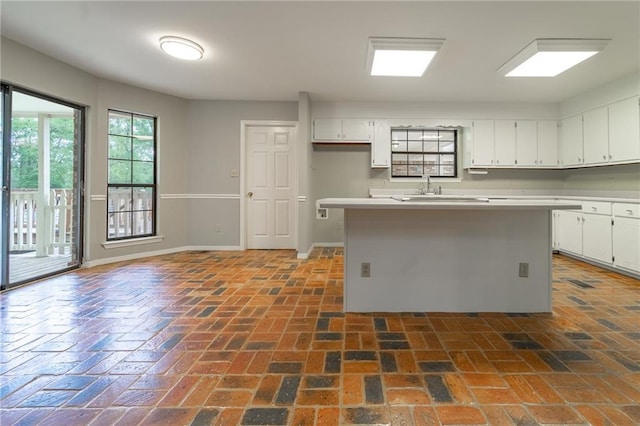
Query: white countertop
[[448, 203]]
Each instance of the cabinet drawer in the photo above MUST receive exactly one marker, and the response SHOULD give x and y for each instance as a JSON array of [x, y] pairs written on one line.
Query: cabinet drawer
[[626, 210], [596, 207], [578, 202]]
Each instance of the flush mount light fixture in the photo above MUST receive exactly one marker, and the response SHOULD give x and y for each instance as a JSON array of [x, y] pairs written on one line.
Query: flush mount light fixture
[[401, 57], [548, 57], [182, 48]]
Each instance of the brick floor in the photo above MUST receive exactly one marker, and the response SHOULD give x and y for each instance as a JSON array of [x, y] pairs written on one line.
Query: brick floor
[[259, 338]]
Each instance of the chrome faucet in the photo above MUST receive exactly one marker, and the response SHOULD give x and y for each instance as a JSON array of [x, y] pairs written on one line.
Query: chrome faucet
[[427, 190]]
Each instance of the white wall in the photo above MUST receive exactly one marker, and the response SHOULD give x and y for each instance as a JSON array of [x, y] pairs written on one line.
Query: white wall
[[213, 151], [28, 68]]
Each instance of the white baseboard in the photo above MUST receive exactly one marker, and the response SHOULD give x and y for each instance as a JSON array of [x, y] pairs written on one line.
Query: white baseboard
[[304, 256], [142, 255], [134, 256]]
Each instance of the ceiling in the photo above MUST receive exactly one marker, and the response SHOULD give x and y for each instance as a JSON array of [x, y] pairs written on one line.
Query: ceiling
[[271, 50]]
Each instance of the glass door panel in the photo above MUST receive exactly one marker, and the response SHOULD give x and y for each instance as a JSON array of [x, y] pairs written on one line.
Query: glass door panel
[[44, 199]]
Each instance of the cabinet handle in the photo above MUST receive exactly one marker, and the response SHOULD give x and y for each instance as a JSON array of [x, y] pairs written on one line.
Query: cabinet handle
[[579, 160], [583, 219], [578, 218], [595, 209], [604, 156], [629, 211], [610, 156]]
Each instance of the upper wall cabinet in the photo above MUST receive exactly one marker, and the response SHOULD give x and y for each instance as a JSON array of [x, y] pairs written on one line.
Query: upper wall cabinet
[[344, 130], [482, 146], [547, 136], [505, 143], [605, 135], [595, 131], [571, 141], [624, 130], [513, 143], [381, 146]]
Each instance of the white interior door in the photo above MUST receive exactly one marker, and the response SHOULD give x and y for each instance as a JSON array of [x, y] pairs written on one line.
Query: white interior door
[[271, 192]]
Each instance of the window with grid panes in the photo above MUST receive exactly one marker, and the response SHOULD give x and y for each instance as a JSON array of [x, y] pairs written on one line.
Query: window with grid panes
[[423, 152], [131, 185]]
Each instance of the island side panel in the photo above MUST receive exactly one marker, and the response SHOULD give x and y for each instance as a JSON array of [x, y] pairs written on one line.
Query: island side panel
[[447, 260]]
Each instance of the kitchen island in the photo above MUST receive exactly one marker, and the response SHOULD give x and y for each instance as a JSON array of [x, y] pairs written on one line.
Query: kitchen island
[[447, 254]]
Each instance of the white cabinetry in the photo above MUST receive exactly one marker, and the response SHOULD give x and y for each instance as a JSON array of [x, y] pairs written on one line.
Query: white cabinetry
[[537, 143], [381, 146], [482, 145], [626, 236], [569, 231], [527, 143], [547, 143], [571, 141], [595, 127], [596, 231], [505, 143], [341, 130], [624, 130]]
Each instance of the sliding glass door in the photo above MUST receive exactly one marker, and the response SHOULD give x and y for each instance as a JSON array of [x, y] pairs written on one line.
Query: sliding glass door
[[42, 206]]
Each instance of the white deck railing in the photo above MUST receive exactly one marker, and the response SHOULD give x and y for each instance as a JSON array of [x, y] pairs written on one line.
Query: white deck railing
[[130, 213], [58, 221]]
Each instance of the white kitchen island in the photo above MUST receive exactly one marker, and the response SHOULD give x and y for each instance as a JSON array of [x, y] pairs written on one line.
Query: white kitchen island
[[447, 254]]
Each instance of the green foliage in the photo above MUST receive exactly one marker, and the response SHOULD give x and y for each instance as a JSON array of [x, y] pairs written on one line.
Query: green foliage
[[24, 152], [131, 148]]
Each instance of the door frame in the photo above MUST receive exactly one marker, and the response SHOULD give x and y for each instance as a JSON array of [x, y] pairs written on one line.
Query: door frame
[[8, 92], [244, 125]]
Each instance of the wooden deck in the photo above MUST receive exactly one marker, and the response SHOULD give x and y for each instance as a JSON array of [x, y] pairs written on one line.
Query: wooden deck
[[27, 266]]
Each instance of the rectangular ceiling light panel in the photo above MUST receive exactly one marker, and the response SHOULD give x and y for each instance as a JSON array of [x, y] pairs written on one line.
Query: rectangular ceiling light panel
[[550, 57], [401, 57]]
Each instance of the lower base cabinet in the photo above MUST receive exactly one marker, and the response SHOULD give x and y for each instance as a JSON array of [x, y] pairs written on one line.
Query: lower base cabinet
[[569, 231], [605, 232], [596, 237], [626, 243]]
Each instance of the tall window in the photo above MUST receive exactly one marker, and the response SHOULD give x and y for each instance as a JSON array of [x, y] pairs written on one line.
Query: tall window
[[423, 152], [131, 200]]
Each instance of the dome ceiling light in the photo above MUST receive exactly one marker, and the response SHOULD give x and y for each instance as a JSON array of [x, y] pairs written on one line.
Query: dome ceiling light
[[181, 48]]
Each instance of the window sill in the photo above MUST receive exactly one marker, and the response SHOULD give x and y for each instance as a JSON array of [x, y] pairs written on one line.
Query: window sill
[[132, 242]]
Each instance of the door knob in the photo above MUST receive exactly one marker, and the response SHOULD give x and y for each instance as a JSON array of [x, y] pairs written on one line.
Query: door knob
[[250, 194]]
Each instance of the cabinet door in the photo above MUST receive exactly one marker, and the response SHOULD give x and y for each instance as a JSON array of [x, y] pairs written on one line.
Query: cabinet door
[[356, 130], [548, 143], [327, 129], [571, 141], [569, 231], [626, 243], [624, 130], [527, 143], [596, 237], [482, 143], [596, 136], [505, 143], [381, 146]]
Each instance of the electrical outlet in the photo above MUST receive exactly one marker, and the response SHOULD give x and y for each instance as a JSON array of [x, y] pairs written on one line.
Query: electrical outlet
[[322, 213], [218, 227], [235, 173], [365, 269], [523, 270]]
